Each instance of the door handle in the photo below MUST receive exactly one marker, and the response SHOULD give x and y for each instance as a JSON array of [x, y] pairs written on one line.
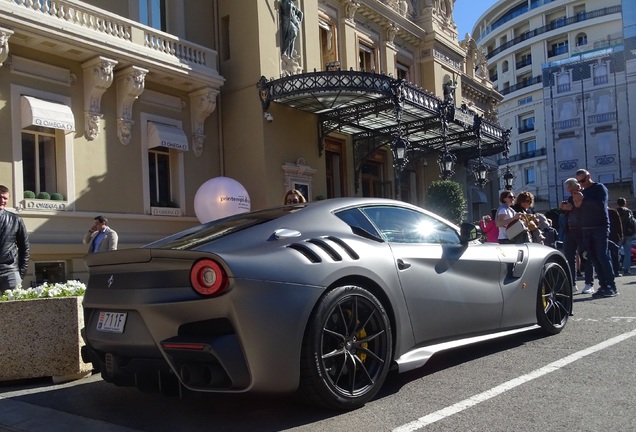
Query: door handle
[[403, 265]]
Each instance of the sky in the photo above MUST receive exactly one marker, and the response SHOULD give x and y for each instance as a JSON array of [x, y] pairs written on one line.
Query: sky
[[467, 12]]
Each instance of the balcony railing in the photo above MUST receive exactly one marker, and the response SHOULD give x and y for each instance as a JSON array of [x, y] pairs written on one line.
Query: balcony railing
[[602, 118], [504, 19], [558, 50], [525, 155], [567, 124], [526, 128], [557, 24], [601, 79], [563, 88], [524, 62], [523, 84], [120, 35]]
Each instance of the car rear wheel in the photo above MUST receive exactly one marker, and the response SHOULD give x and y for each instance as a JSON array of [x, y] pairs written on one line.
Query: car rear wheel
[[554, 300], [347, 349]]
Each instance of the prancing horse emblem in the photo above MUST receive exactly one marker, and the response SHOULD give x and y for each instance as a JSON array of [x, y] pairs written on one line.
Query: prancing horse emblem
[[110, 280]]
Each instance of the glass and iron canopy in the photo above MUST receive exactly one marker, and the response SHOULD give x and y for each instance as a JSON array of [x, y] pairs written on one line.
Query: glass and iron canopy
[[375, 109]]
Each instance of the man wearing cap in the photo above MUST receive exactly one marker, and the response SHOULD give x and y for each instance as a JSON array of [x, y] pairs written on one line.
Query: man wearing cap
[[100, 237]]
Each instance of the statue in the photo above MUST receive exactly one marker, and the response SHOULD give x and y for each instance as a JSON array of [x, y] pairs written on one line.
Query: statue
[[290, 26]]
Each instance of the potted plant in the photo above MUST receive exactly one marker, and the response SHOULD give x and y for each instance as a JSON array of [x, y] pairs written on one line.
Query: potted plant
[[41, 332]]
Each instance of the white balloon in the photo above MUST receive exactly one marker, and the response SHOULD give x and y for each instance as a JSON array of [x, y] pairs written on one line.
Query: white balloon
[[220, 197]]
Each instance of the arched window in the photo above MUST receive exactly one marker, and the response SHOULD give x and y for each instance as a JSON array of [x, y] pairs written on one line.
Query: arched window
[[504, 66], [581, 39]]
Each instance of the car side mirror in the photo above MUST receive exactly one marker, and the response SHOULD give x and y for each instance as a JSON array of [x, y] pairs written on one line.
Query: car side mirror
[[468, 232]]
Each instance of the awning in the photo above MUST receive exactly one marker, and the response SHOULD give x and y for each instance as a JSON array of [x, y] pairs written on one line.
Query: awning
[[47, 114], [163, 135]]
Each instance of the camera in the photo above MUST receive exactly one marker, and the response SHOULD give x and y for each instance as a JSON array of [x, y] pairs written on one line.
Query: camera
[[268, 117]]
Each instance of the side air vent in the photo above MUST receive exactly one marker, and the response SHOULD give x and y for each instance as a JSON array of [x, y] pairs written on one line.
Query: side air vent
[[329, 245], [306, 251], [345, 246], [327, 248]]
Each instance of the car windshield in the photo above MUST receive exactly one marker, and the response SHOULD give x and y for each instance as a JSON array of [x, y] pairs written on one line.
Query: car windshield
[[193, 237]]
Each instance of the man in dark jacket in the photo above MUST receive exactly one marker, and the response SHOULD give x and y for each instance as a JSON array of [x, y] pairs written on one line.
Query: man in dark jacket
[[14, 245], [627, 222]]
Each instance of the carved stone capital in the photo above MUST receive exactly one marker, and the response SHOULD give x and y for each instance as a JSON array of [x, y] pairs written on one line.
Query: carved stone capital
[[202, 104], [130, 84], [124, 130], [197, 144], [391, 31], [98, 76], [91, 125], [5, 34], [351, 7]]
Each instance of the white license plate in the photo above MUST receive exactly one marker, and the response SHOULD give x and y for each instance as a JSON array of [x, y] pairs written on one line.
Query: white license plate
[[112, 322]]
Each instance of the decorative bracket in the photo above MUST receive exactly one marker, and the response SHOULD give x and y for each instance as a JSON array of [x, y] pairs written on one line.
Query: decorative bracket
[[5, 34], [202, 104], [130, 84], [98, 76]]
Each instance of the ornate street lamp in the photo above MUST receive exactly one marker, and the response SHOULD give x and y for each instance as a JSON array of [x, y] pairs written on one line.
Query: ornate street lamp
[[400, 149], [481, 173], [508, 178], [446, 162]]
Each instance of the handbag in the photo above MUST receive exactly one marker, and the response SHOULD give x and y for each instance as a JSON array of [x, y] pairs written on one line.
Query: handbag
[[515, 228]]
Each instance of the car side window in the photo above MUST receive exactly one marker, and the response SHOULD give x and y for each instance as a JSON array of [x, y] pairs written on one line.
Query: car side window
[[354, 218], [401, 225]]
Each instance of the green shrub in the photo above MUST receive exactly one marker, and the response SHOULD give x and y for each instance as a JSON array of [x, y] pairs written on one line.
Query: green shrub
[[29, 194], [57, 197], [44, 195], [446, 198]]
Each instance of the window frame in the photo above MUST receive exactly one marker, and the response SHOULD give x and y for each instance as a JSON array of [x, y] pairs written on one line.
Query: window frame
[[64, 150], [177, 164]]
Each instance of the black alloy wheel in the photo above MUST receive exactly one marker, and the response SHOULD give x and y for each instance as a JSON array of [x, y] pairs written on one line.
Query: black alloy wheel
[[554, 300], [347, 349]]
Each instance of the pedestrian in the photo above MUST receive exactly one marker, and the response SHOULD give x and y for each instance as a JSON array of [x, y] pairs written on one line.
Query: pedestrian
[[294, 196], [523, 205], [629, 229], [100, 237], [572, 233], [489, 227], [14, 245], [505, 216], [592, 202]]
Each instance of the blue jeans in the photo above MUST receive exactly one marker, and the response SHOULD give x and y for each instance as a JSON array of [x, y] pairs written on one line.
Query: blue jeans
[[595, 240], [627, 249]]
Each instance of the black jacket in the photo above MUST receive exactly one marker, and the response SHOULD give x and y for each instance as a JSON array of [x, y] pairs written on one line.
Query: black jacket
[[14, 244]]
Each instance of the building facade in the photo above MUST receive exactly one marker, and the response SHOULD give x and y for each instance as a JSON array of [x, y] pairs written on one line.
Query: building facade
[[561, 66], [126, 108]]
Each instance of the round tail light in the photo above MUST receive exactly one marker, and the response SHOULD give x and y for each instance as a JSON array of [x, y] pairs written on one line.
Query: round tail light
[[208, 277]]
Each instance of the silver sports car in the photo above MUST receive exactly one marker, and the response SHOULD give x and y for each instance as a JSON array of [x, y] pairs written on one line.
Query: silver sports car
[[321, 298]]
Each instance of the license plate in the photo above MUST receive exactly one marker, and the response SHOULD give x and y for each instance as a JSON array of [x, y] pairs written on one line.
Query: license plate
[[112, 322]]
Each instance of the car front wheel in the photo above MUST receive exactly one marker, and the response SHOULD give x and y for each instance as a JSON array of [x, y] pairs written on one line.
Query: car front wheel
[[346, 350], [554, 302]]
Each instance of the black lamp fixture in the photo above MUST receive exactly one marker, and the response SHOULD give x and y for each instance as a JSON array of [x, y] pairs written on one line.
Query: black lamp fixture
[[481, 173], [508, 175], [446, 162], [508, 178], [400, 150]]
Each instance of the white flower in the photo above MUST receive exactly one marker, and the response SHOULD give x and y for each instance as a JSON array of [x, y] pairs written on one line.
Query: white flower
[[70, 288]]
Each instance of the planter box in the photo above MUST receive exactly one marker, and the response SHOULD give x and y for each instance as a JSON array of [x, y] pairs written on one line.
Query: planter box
[[41, 338], [42, 204]]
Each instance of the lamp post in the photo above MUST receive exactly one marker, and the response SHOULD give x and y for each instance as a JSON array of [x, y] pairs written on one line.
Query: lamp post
[[508, 175], [446, 160]]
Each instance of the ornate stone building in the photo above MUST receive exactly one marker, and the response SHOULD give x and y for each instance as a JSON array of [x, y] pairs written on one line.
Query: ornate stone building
[[126, 108]]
